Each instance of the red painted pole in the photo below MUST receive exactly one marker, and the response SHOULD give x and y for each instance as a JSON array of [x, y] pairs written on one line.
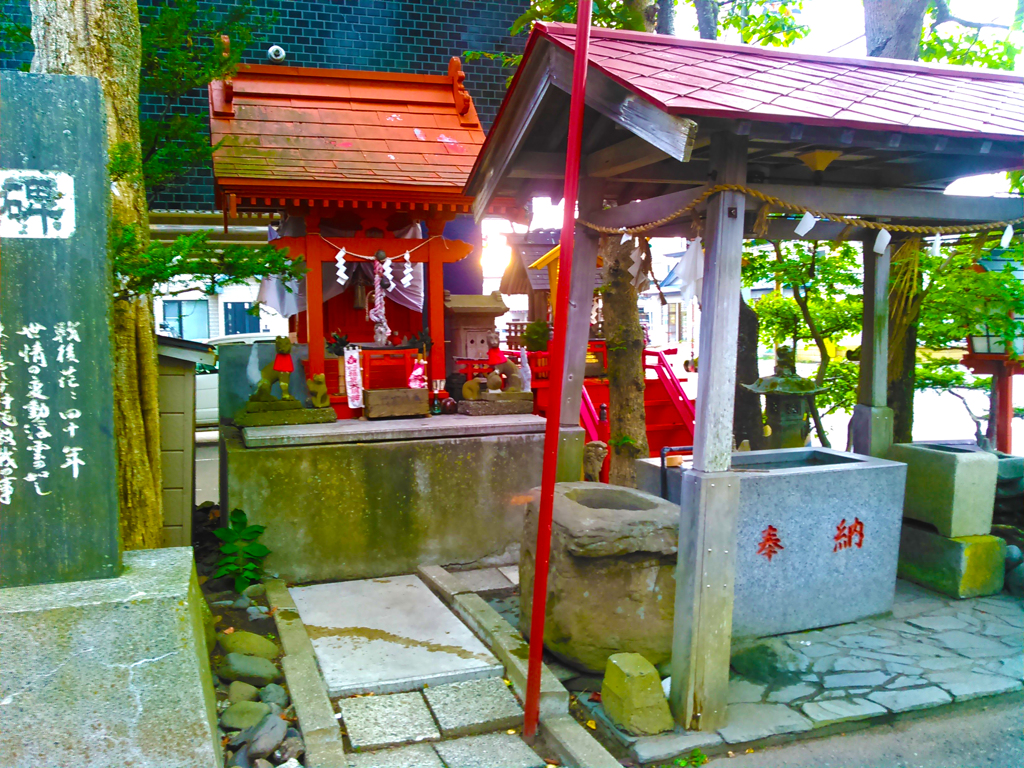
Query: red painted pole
[[554, 411]]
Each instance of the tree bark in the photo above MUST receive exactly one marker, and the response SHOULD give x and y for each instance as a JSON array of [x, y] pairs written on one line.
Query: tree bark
[[892, 28], [747, 419], [667, 17], [707, 18], [625, 340], [902, 376], [102, 39]]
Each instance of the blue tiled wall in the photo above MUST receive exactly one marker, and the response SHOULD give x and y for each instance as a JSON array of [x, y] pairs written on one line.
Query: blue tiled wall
[[380, 35]]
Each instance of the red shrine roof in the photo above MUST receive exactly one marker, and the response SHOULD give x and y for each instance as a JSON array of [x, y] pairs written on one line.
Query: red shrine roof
[[318, 134], [700, 77]]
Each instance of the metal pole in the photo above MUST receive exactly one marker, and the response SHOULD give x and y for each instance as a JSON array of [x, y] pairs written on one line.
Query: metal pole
[[554, 412]]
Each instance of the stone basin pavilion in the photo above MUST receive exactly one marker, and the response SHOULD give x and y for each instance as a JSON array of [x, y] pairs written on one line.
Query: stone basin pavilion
[[666, 119]]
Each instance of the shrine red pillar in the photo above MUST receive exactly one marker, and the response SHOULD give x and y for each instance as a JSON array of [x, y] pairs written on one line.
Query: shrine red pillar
[[1004, 408], [435, 307], [314, 297]]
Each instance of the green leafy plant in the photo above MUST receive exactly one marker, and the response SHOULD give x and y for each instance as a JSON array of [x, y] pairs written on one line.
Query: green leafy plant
[[693, 760], [243, 555], [536, 336]]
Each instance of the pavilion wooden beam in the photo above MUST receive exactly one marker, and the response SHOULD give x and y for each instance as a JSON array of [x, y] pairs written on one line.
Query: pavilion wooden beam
[[645, 211], [871, 427], [702, 631], [896, 203], [627, 155]]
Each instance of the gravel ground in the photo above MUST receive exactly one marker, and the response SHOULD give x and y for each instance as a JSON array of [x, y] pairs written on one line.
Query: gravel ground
[[974, 735]]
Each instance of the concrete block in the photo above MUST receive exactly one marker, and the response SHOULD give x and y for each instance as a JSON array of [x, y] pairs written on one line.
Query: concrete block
[[950, 488], [290, 628], [573, 745], [632, 697], [372, 509], [309, 696], [969, 566], [487, 581], [489, 751], [388, 635], [814, 502], [108, 672], [474, 706], [373, 722]]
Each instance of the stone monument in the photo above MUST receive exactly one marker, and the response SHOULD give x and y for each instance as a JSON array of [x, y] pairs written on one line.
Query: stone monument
[[101, 665]]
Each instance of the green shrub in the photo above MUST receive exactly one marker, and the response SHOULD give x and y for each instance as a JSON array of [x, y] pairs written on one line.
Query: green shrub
[[243, 555]]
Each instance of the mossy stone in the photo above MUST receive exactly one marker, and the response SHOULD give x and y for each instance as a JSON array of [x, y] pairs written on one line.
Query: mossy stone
[[632, 695], [243, 714], [248, 643]]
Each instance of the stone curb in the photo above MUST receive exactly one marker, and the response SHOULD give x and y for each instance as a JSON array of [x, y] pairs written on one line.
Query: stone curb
[[575, 747], [320, 730]]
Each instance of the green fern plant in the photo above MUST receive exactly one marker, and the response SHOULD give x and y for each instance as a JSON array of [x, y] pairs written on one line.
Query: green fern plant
[[243, 555]]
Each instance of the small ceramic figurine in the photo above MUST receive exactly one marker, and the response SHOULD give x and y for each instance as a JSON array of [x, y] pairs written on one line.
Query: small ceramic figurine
[[418, 377], [278, 371]]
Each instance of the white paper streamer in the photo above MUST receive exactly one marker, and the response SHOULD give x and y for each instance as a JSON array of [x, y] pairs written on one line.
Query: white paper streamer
[[937, 246], [806, 225], [340, 261], [1004, 242], [625, 238], [882, 241], [387, 271]]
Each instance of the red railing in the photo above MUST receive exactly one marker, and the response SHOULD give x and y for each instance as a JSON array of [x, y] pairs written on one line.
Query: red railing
[[683, 404]]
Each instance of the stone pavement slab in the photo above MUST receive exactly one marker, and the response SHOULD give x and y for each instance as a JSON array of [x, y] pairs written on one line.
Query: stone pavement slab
[[494, 750], [510, 572], [485, 580], [750, 722], [744, 692], [824, 713], [908, 699], [415, 756], [385, 721], [474, 706], [387, 635], [651, 749], [972, 685]]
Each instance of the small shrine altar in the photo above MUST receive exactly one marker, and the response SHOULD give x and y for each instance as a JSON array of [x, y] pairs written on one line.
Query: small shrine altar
[[361, 174]]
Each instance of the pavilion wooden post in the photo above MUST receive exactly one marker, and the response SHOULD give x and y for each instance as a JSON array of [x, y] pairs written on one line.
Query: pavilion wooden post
[[702, 632], [577, 334], [435, 299], [871, 424], [314, 296]]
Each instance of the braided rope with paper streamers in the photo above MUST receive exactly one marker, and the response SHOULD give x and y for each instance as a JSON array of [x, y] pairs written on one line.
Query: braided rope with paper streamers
[[769, 200]]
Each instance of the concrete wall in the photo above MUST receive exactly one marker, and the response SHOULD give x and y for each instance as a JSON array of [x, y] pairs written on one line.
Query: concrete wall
[[364, 510], [177, 393]]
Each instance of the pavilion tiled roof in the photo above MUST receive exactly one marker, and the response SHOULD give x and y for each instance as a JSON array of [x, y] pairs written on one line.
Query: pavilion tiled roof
[[317, 130], [698, 77]]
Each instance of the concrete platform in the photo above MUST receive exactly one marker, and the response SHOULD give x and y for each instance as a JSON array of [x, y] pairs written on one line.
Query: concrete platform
[[109, 672], [388, 635], [356, 431], [387, 721]]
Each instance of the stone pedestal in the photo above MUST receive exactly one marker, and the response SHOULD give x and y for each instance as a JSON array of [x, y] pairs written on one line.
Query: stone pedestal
[[968, 566], [611, 578], [108, 672], [950, 488]]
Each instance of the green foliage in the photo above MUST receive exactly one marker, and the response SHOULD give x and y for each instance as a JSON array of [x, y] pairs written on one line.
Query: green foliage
[[337, 344], [183, 49], [841, 381], [616, 14], [243, 554], [161, 266], [948, 42], [694, 760], [763, 22], [536, 336]]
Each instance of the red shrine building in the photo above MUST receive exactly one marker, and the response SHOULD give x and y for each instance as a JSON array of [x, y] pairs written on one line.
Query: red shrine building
[[363, 167]]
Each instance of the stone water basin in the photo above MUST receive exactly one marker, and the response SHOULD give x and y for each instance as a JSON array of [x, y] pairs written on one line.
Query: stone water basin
[[817, 537]]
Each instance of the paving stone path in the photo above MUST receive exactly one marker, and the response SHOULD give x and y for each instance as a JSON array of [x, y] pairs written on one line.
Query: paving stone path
[[931, 651], [458, 725]]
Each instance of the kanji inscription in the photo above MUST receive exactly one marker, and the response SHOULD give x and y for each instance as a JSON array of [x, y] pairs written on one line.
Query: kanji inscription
[[770, 544], [848, 536]]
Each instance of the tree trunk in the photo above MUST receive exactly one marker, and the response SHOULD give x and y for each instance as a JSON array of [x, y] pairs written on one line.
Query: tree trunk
[[902, 376], [667, 17], [747, 420], [102, 39], [892, 28], [625, 340], [707, 18]]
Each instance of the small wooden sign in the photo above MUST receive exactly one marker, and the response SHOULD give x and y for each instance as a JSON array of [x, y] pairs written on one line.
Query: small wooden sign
[[391, 403]]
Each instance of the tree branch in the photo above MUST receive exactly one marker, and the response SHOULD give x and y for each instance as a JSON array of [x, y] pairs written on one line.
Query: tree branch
[[943, 14]]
